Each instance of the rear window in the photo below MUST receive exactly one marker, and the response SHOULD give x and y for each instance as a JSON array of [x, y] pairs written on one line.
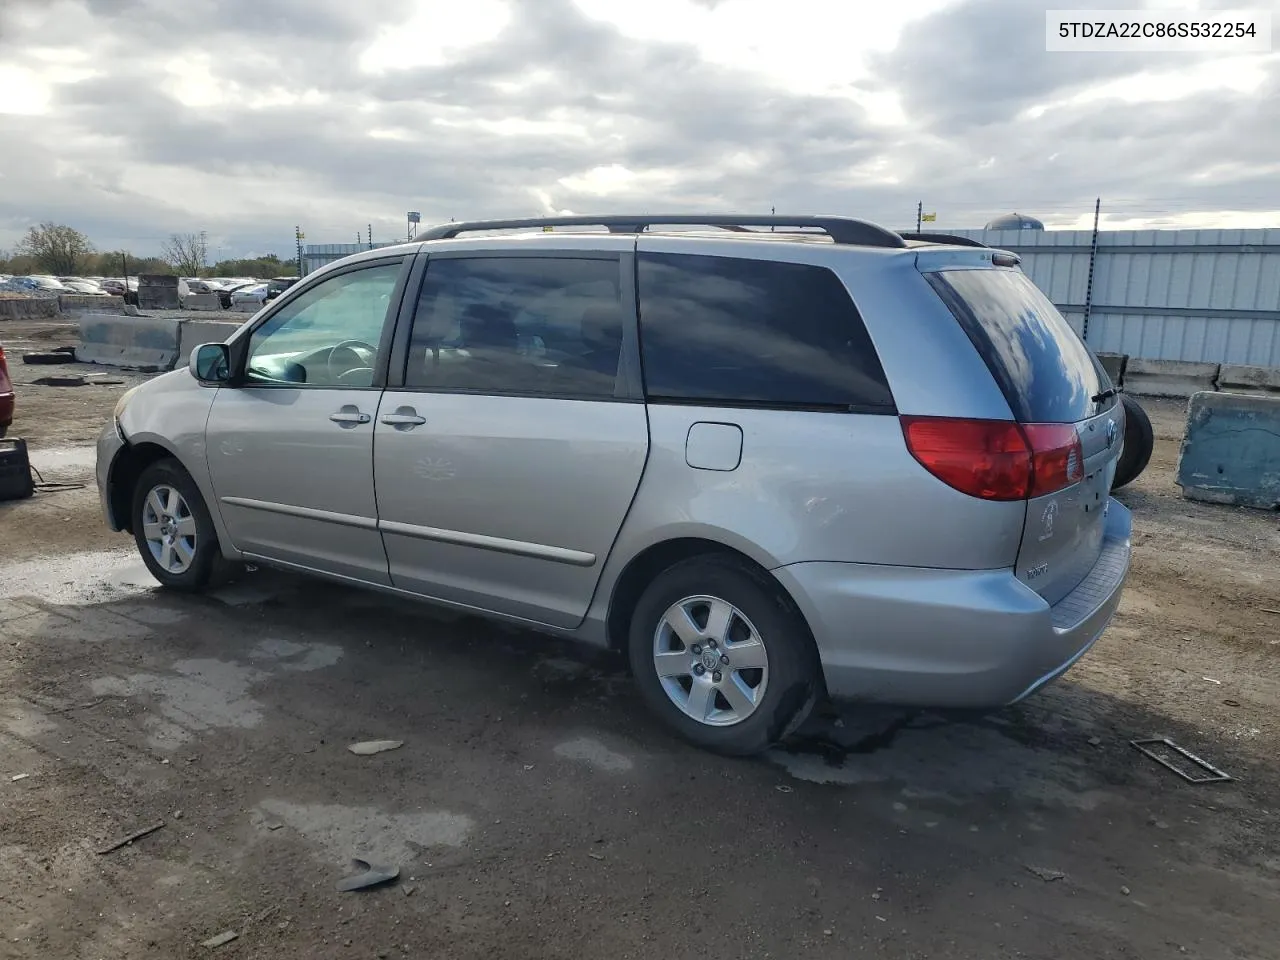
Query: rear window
[[735, 332], [1043, 367]]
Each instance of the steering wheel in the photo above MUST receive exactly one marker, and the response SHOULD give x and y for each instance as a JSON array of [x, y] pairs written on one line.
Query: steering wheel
[[350, 346]]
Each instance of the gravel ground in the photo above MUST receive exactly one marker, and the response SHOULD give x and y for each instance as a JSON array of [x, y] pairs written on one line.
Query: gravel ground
[[535, 811]]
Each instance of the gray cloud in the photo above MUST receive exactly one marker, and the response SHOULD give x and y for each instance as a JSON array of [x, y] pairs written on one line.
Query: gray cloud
[[516, 122]]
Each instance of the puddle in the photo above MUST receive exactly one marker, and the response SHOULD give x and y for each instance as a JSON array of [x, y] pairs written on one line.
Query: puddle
[[346, 832], [942, 760], [80, 578]]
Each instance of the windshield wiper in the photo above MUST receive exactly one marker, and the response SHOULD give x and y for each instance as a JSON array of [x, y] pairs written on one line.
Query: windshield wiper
[[1106, 394]]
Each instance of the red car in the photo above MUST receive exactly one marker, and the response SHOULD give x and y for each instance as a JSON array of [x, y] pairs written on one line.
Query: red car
[[6, 395]]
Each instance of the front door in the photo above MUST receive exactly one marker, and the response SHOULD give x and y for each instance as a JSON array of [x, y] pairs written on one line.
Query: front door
[[291, 447], [508, 456]]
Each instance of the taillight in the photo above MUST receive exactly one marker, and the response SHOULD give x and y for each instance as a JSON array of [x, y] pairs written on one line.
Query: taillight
[[996, 459], [1056, 456], [4, 368]]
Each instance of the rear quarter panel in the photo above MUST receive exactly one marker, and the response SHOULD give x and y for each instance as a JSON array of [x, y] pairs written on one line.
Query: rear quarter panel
[[813, 486]]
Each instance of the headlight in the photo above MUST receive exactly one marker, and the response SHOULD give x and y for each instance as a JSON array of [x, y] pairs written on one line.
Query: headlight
[[123, 401]]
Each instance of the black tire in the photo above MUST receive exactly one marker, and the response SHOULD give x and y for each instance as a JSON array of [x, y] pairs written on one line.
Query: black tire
[[1139, 441], [206, 564], [793, 682]]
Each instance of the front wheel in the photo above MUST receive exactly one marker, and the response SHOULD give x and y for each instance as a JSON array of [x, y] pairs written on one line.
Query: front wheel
[[721, 654], [173, 529]]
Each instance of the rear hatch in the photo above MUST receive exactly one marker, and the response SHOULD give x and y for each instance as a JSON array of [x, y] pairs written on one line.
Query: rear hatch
[[1054, 385]]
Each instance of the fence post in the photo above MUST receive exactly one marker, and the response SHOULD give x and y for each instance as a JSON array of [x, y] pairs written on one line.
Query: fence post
[[1093, 259]]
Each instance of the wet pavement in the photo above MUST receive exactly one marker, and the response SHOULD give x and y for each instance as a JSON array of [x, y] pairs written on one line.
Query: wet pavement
[[535, 810]]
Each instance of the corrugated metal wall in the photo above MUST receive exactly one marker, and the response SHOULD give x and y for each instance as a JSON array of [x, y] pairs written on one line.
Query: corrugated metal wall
[[316, 255], [1210, 295]]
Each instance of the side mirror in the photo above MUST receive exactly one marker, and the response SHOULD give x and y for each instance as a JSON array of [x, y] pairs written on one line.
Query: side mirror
[[210, 363]]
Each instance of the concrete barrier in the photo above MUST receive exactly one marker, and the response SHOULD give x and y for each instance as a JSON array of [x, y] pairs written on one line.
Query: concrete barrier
[[1237, 378], [158, 292], [251, 307], [145, 343], [195, 332], [81, 303], [202, 301], [1168, 378], [1114, 364], [28, 308], [1231, 452]]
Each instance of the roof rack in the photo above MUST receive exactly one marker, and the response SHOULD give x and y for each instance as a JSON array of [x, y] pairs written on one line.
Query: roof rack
[[842, 230], [950, 238]]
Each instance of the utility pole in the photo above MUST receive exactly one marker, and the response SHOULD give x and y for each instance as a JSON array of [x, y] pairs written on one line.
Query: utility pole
[[919, 214], [298, 236], [1093, 259], [204, 250], [371, 236]]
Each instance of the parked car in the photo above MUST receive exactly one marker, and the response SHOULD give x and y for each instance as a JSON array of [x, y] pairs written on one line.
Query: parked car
[[84, 288], [278, 285], [6, 395], [41, 284], [764, 468], [251, 295]]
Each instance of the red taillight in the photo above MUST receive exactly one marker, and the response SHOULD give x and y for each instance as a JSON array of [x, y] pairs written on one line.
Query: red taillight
[[4, 369], [1057, 457], [996, 459]]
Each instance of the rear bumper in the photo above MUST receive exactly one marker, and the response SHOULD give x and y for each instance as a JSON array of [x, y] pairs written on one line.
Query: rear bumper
[[953, 638]]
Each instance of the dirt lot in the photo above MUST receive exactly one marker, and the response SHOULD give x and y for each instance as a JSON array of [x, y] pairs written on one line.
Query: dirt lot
[[534, 809]]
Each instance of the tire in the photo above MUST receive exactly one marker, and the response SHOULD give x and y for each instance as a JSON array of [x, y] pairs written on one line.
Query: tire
[[755, 606], [193, 529], [1139, 441]]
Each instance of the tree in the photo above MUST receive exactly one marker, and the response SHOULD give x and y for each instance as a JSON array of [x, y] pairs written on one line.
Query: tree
[[56, 248], [187, 252], [263, 268]]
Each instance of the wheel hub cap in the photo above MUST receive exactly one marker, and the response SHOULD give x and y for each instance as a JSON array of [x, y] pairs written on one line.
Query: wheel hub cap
[[710, 660], [169, 529]]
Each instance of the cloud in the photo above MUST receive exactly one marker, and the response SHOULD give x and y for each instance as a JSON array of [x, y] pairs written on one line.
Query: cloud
[[245, 118]]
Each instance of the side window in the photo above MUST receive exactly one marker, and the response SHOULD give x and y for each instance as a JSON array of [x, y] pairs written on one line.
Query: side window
[[548, 326], [329, 336], [736, 331]]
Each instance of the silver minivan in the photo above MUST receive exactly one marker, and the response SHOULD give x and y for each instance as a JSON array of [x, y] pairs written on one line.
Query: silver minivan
[[767, 459]]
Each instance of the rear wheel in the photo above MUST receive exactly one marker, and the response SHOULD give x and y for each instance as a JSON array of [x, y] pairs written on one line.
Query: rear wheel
[[721, 654], [1139, 441], [173, 529]]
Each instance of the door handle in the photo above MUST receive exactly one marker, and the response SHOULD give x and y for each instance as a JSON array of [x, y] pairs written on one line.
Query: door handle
[[349, 416], [403, 419]]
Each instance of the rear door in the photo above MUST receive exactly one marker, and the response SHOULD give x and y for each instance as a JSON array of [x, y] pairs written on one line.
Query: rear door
[[1048, 376]]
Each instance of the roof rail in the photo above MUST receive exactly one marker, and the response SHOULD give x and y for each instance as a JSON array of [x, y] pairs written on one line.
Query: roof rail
[[942, 238], [843, 230]]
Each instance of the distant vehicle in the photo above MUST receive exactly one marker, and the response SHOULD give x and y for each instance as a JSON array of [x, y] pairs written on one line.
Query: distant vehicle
[[42, 284], [211, 287], [6, 395], [278, 285], [84, 288], [250, 295]]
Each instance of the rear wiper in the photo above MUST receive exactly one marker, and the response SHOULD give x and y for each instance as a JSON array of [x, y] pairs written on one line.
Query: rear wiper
[[1106, 394]]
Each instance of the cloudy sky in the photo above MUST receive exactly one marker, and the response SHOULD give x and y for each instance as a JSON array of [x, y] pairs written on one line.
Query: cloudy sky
[[133, 119]]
